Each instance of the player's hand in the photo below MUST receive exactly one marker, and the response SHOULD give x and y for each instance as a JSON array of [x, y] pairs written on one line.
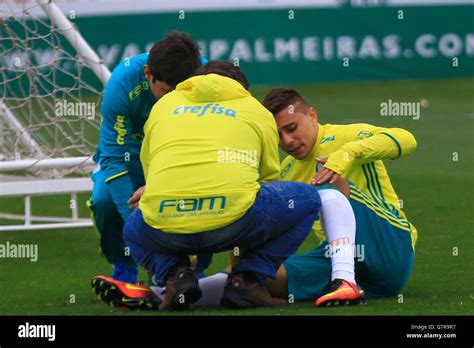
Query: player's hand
[[133, 201], [325, 175]]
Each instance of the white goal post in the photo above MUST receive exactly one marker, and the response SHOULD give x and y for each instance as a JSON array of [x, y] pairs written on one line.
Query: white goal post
[[37, 71], [66, 28], [61, 25]]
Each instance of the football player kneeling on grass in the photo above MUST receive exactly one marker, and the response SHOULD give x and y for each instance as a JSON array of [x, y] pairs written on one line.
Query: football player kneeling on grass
[[385, 239]]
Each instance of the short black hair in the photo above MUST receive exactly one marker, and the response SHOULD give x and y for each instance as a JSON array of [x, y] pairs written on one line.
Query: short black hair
[[224, 68], [174, 58], [280, 98]]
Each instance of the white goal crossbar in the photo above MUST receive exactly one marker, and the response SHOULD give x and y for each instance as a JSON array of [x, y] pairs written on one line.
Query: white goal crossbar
[[57, 163]]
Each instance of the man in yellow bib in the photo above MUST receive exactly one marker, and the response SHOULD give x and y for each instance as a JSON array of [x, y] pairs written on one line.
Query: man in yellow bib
[[211, 165]]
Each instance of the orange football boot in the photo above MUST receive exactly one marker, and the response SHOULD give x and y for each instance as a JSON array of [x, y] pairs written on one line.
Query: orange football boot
[[125, 296], [341, 292]]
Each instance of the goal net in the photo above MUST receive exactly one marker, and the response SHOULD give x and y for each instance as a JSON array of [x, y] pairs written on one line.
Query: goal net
[[51, 85]]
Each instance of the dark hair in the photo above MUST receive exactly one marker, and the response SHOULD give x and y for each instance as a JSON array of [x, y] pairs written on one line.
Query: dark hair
[[279, 98], [174, 58], [223, 68]]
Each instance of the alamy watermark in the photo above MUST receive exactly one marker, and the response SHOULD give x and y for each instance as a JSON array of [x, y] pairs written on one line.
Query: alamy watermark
[[345, 250], [395, 108], [20, 251], [245, 156], [68, 108], [37, 331]]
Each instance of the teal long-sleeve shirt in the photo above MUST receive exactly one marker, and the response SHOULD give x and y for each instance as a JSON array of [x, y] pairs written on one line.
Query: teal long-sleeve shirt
[[125, 108]]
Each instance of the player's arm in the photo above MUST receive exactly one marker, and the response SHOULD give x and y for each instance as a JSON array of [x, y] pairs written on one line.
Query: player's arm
[[115, 139], [270, 158], [366, 143]]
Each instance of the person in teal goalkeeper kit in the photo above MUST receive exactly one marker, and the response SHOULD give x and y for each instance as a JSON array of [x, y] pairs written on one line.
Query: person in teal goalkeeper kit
[[134, 87]]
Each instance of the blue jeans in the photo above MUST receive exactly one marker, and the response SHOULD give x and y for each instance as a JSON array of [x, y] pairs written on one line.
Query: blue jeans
[[270, 231]]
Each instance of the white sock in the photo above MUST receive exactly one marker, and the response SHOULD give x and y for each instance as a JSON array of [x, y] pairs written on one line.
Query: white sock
[[159, 291], [212, 288], [339, 226]]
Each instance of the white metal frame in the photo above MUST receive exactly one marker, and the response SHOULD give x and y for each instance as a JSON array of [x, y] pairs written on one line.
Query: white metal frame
[[29, 188], [48, 163], [92, 60], [75, 38]]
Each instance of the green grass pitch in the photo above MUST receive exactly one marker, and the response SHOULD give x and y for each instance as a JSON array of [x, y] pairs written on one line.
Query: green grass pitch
[[437, 191]]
